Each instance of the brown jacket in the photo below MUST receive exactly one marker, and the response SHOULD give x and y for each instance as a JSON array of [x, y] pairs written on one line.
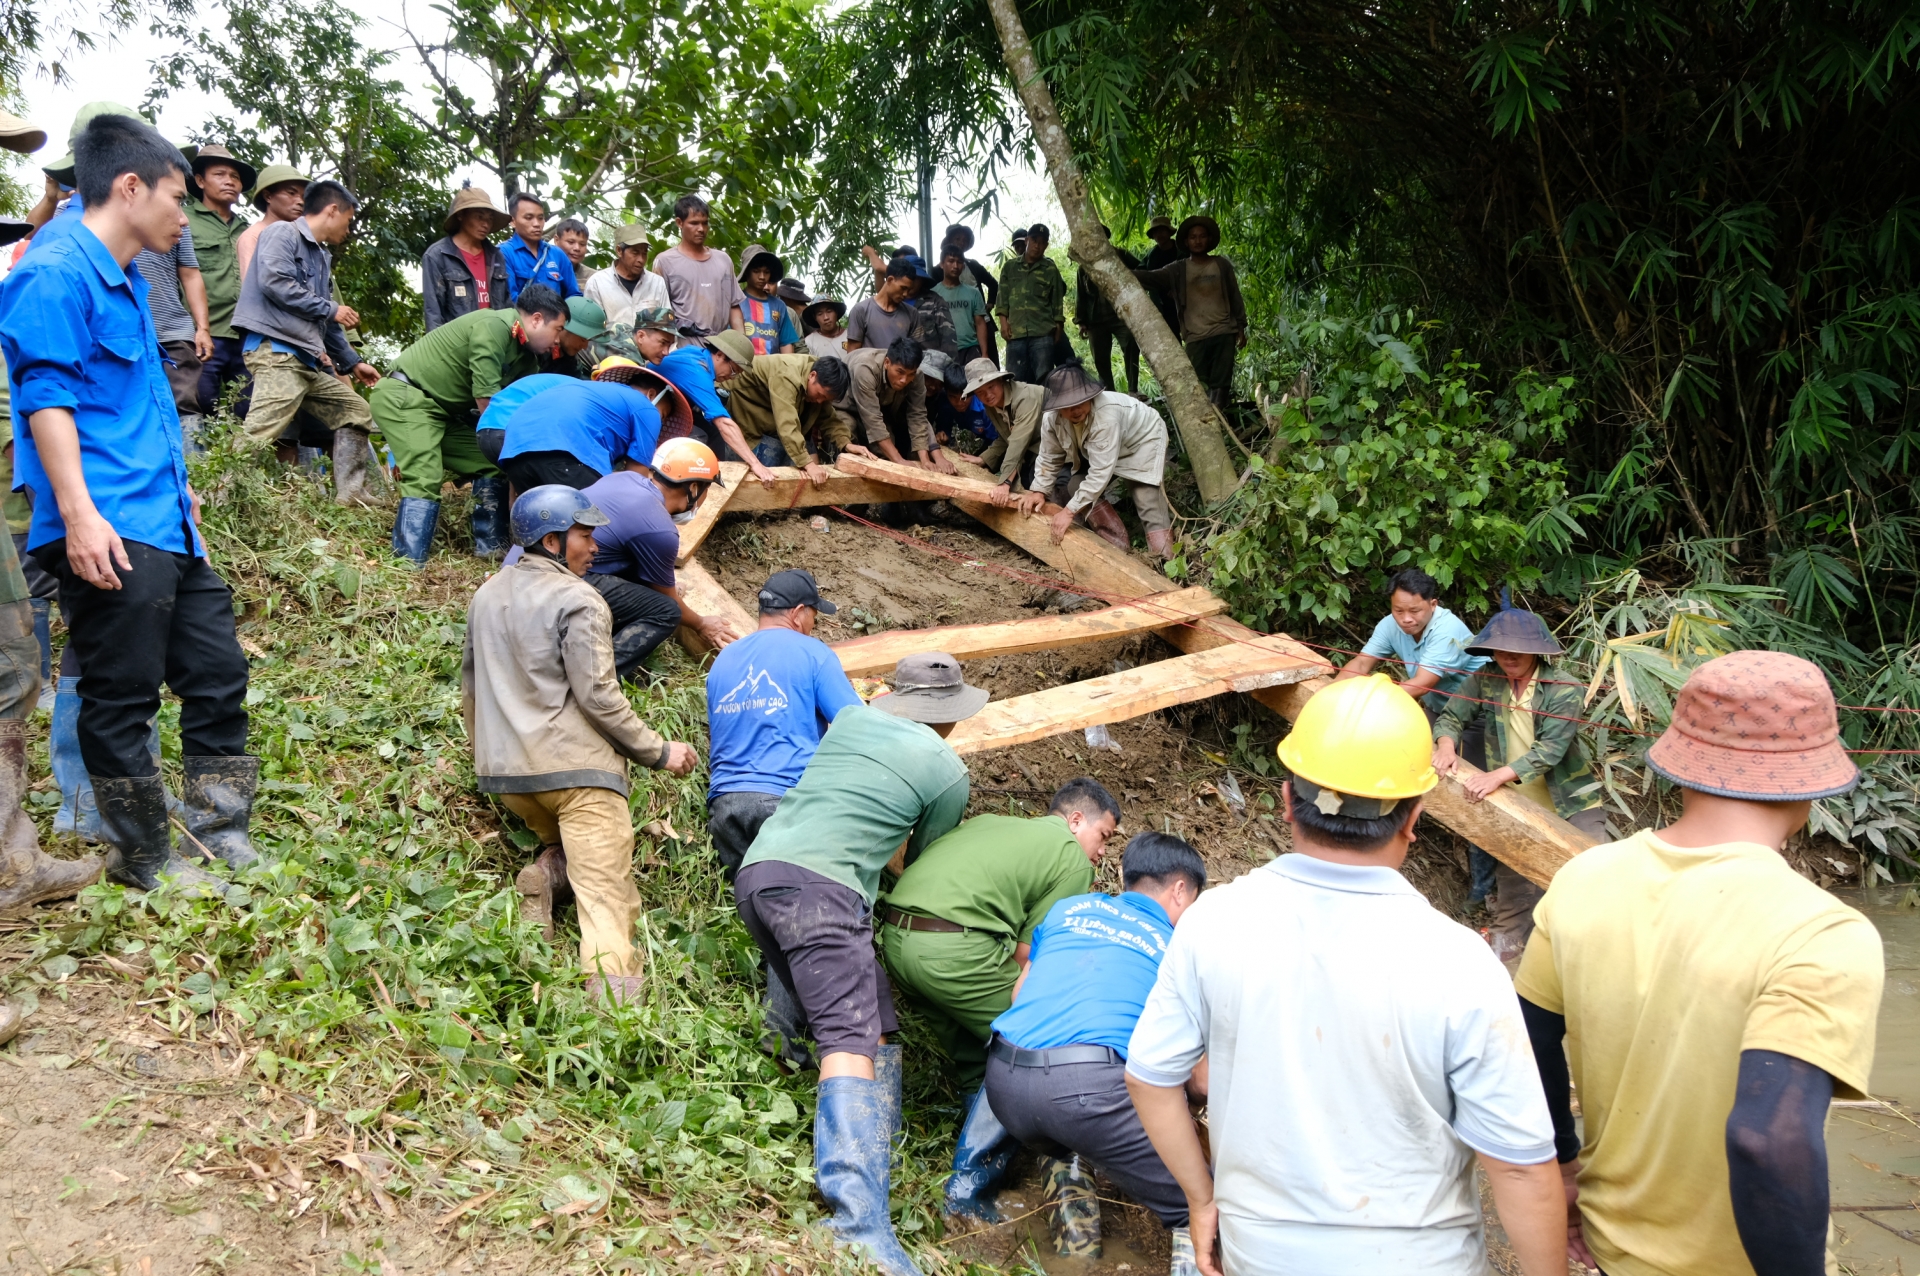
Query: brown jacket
[[871, 404], [771, 398], [542, 704]]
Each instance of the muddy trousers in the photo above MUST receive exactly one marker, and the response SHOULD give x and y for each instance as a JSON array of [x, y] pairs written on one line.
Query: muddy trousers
[[595, 828], [283, 386], [960, 982]]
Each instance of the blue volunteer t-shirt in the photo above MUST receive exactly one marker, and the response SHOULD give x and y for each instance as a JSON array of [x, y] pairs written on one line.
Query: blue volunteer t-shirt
[[1095, 958], [511, 396], [594, 422], [770, 697], [639, 541], [1442, 646]]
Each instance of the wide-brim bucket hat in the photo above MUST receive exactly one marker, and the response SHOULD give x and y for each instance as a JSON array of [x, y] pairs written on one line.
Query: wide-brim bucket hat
[[1515, 630], [753, 256], [1069, 386], [1205, 223], [1756, 725], [214, 153], [811, 315], [470, 199], [983, 372], [928, 687]]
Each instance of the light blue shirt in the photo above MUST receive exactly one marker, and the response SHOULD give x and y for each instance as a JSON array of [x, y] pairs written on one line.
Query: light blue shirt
[[1095, 958], [1441, 646], [770, 698]]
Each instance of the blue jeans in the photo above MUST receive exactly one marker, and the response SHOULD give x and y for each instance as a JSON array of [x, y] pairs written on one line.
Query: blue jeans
[[1030, 358], [770, 450]]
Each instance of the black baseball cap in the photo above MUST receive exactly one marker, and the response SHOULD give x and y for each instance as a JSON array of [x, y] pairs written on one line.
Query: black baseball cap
[[794, 588]]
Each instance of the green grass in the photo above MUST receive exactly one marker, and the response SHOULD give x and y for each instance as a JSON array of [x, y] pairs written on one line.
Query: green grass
[[377, 963]]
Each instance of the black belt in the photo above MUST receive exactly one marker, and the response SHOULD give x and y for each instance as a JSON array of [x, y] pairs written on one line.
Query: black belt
[[908, 921], [1007, 1052]]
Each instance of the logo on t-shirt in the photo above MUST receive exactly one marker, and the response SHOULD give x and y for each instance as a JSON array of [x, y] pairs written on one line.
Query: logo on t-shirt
[[757, 692]]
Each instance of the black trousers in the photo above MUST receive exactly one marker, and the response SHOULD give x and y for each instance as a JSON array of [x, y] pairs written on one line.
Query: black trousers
[[817, 937], [171, 621], [643, 618], [733, 821], [1085, 1108], [531, 469]]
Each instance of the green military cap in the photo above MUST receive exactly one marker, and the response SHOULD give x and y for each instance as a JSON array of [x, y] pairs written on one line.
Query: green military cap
[[61, 170], [275, 175], [586, 319], [732, 345]]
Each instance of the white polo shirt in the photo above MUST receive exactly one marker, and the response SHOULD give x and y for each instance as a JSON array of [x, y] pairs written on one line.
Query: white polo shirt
[[1362, 1047]]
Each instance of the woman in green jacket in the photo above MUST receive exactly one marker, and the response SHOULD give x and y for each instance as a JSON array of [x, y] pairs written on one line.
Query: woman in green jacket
[[1533, 736]]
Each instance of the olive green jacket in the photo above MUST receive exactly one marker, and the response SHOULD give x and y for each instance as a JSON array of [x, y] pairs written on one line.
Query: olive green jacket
[[1556, 753]]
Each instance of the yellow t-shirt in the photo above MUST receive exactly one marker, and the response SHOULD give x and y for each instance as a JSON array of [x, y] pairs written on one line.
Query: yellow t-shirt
[[1520, 743], [1667, 963]]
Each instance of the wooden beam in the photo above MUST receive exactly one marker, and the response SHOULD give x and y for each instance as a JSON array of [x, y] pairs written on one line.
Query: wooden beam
[[969, 484], [704, 594], [793, 490], [878, 653], [712, 506], [1527, 838], [1131, 693]]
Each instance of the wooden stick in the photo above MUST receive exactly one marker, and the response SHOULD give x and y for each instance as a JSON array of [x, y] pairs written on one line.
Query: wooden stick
[[704, 594], [878, 653], [792, 489], [712, 506]]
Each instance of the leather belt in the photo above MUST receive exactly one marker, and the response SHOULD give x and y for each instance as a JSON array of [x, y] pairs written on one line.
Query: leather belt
[[1006, 1051], [907, 921]]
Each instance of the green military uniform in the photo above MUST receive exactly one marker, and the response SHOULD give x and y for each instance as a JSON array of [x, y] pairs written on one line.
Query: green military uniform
[[771, 398], [997, 876], [426, 410], [215, 244], [1017, 422], [1033, 298]]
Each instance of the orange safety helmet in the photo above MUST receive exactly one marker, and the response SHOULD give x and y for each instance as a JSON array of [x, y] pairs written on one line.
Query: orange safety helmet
[[684, 460]]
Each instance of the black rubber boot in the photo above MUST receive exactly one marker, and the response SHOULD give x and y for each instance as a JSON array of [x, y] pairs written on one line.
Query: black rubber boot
[[133, 818], [218, 796]]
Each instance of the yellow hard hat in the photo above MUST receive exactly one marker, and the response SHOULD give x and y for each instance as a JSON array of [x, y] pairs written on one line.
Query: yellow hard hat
[[611, 362], [1361, 738]]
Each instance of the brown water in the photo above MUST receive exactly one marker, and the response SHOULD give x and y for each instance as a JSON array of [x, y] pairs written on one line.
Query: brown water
[[1873, 1150]]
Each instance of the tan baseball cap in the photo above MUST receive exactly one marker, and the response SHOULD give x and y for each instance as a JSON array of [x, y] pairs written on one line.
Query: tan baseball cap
[[630, 235]]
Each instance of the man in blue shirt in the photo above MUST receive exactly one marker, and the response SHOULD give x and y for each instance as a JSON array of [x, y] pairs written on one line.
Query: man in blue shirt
[[1431, 642], [1056, 1070], [528, 260], [574, 434], [114, 517], [770, 697], [695, 370], [491, 429]]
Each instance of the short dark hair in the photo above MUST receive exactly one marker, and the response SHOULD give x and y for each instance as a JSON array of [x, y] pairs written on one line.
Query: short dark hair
[[905, 352], [905, 266], [956, 378], [951, 249], [570, 225], [523, 197], [538, 299], [687, 205], [832, 374], [115, 144], [1085, 795], [1411, 580], [327, 193], [1156, 857], [1346, 832], [1039, 231]]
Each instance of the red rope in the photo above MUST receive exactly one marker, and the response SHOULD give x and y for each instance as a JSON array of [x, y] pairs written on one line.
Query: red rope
[[1146, 603]]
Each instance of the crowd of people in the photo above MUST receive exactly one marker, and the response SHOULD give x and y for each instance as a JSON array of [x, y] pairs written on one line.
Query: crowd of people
[[1357, 1052]]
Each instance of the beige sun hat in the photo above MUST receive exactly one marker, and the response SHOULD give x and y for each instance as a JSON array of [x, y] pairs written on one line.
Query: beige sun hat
[[18, 135], [471, 199], [983, 372]]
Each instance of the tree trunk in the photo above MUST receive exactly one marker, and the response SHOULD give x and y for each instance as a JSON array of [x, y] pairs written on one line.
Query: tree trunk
[[1198, 421]]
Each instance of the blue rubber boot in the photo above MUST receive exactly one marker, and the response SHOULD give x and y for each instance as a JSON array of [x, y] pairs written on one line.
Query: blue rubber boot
[[78, 813], [43, 634], [979, 1162], [890, 1070], [850, 1154], [413, 528], [490, 517]]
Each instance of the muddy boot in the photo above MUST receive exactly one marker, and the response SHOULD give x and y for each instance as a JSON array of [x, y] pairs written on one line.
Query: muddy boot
[[413, 528], [1160, 543], [851, 1155], [12, 1015], [491, 514], [133, 818], [353, 469], [28, 875], [1104, 520], [1073, 1211], [540, 885], [218, 807], [980, 1157]]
